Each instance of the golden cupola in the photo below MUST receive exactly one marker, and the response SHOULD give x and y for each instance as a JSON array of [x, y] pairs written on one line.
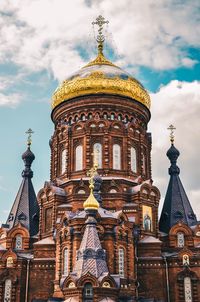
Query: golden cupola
[[100, 76]]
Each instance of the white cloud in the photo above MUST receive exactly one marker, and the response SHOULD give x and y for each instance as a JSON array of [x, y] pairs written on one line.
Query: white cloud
[[40, 35], [177, 103], [10, 100]]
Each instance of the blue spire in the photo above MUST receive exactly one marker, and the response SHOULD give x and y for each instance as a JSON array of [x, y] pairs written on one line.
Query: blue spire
[[176, 205]]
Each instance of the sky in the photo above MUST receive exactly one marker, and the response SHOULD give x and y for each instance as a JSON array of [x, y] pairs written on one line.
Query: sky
[[43, 41]]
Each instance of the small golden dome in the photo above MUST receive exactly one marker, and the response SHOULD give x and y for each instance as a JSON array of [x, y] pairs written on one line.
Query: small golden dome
[[100, 76], [91, 203]]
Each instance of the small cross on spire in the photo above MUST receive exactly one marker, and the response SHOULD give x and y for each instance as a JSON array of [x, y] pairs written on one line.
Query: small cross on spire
[[29, 132], [100, 21], [171, 128]]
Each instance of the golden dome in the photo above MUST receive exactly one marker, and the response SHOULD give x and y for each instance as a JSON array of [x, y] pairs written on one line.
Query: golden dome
[[91, 203], [100, 76]]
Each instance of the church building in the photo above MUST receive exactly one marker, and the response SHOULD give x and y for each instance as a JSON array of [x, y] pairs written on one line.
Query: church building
[[92, 233]]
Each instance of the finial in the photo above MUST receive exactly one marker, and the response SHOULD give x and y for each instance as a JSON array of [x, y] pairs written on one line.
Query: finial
[[29, 140], [91, 203], [100, 21], [28, 157], [171, 128]]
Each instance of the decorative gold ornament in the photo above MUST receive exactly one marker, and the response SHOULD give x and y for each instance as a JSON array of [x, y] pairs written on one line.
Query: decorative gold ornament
[[106, 284], [96, 84], [100, 60], [91, 203], [71, 285], [102, 80]]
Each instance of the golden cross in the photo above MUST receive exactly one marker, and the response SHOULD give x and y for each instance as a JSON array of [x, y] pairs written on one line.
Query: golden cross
[[29, 132], [171, 128], [100, 21]]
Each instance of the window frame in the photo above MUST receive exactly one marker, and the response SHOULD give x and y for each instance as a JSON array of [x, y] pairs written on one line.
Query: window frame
[[79, 163], [117, 162]]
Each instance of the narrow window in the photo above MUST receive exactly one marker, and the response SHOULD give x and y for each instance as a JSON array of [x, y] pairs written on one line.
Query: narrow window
[[119, 117], [97, 150], [48, 220], [116, 157], [121, 262], [105, 116], [133, 160], [143, 164], [18, 242], [7, 290], [187, 289], [180, 239], [83, 117], [79, 158], [63, 161], [112, 116], [88, 293], [65, 262]]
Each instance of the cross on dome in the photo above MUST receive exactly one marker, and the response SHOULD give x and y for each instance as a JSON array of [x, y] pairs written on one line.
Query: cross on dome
[[100, 21], [171, 128], [29, 140]]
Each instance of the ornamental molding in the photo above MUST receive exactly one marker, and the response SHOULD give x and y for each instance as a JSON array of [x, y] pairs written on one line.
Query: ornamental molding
[[97, 83]]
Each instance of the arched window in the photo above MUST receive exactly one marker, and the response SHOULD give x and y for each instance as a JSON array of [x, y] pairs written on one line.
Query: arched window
[[187, 289], [83, 117], [7, 290], [121, 261], [116, 157], [105, 116], [18, 242], [112, 116], [133, 160], [63, 161], [88, 293], [70, 121], [119, 117], [65, 262], [79, 158], [180, 239], [97, 150]]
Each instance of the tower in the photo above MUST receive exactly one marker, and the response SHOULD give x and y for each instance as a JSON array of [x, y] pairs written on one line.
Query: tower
[[18, 235], [97, 238], [100, 115]]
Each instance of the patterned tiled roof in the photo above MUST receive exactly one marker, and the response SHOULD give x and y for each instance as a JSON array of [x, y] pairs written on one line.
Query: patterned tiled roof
[[91, 256]]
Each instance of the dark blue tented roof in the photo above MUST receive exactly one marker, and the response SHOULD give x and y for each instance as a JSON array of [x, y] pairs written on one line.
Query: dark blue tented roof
[[25, 209], [176, 206]]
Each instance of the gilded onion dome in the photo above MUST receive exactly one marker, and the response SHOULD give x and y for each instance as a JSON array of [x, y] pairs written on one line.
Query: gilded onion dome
[[100, 77]]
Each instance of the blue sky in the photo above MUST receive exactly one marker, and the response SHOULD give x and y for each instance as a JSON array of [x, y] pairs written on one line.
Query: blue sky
[[42, 42]]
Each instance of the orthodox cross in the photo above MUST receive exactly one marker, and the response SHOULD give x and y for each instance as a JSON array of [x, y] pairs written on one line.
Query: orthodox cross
[[171, 128], [100, 21], [29, 132]]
